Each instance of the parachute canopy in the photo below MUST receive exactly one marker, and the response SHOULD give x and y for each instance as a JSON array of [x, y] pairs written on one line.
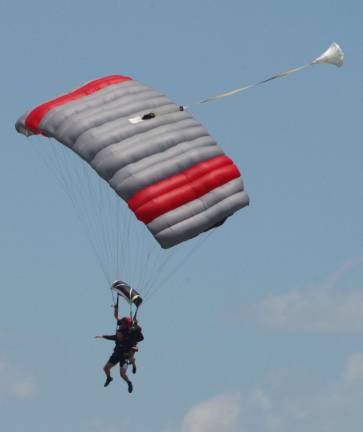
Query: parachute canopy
[[168, 169]]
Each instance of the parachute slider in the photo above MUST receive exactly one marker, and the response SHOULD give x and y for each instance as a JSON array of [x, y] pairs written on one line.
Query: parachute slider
[[129, 294], [151, 115]]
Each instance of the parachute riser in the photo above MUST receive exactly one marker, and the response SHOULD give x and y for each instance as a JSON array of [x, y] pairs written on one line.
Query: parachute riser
[[134, 318], [133, 315]]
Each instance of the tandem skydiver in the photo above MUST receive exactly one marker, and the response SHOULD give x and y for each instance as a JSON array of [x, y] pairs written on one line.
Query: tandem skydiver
[[132, 336], [128, 334]]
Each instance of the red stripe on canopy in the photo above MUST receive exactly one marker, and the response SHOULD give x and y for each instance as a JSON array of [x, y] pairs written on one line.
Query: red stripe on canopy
[[181, 188], [35, 117]]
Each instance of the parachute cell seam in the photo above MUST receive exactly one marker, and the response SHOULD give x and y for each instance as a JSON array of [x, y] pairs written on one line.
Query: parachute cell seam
[[191, 184], [174, 226], [95, 98], [126, 130], [125, 125], [204, 205], [151, 153], [110, 124], [130, 137], [175, 160], [139, 140], [162, 152], [119, 110], [113, 105], [168, 161]]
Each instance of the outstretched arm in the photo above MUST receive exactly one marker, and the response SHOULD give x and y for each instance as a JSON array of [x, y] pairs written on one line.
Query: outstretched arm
[[108, 337]]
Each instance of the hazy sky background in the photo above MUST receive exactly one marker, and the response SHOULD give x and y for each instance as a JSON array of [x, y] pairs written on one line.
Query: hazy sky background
[[261, 330]]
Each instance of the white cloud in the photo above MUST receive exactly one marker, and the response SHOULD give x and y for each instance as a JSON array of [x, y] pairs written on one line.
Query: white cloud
[[14, 383], [286, 401], [219, 414], [261, 399], [24, 388], [316, 308], [354, 369], [300, 404]]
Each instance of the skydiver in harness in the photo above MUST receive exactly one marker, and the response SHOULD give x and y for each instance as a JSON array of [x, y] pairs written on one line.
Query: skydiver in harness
[[122, 353], [131, 337], [128, 334]]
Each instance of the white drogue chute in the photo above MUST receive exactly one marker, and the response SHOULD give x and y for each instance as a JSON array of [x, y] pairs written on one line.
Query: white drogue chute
[[334, 55]]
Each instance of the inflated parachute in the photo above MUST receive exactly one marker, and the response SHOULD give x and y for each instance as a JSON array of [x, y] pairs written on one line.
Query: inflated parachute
[[168, 169]]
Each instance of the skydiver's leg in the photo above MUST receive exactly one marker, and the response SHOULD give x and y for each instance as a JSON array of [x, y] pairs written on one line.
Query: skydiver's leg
[[124, 376], [133, 364], [107, 370], [132, 359]]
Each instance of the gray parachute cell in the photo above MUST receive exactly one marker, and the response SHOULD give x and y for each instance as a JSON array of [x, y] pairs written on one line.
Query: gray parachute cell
[[167, 167]]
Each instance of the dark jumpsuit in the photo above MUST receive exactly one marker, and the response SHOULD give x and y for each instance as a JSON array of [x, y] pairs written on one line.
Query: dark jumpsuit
[[119, 352], [124, 344]]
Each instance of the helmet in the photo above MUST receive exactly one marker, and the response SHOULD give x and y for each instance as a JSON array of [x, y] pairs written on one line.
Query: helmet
[[127, 321]]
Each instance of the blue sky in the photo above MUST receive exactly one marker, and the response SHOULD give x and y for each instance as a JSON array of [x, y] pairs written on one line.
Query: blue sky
[[261, 329]]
